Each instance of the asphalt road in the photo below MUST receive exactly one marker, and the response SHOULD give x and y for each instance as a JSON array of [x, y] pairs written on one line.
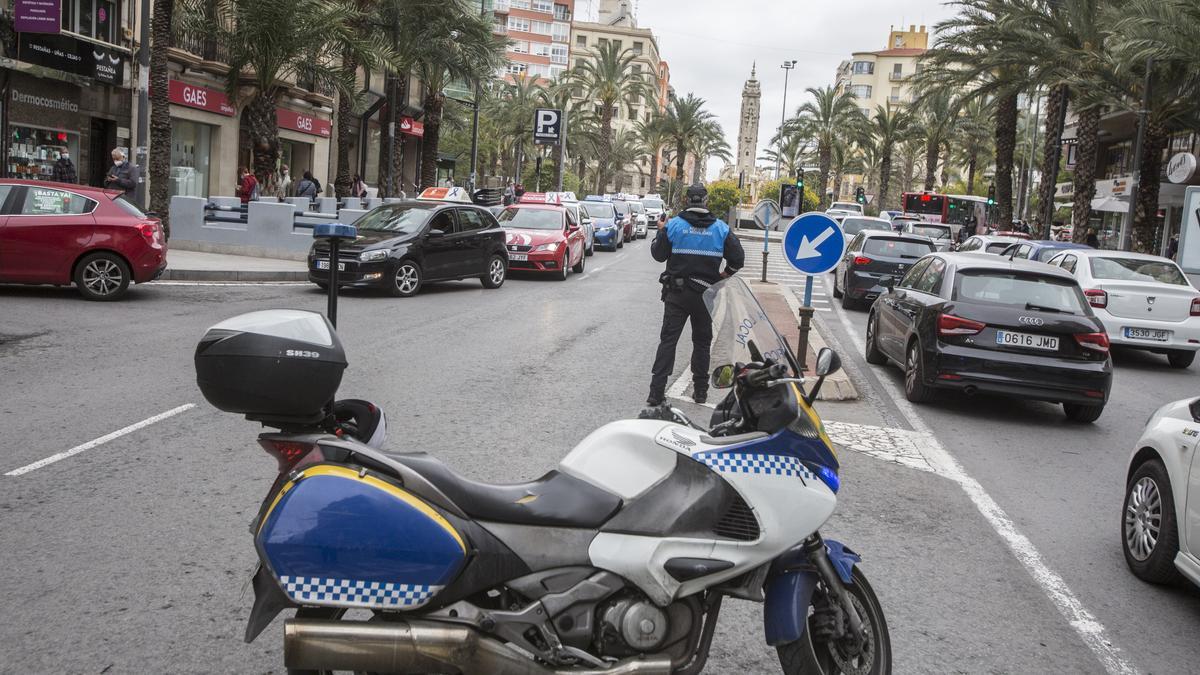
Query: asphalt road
[[133, 555]]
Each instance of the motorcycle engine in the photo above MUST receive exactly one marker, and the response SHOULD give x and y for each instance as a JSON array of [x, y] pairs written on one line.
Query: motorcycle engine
[[630, 625]]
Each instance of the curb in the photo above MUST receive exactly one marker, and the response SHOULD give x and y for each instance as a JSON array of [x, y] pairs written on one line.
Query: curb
[[231, 275], [837, 386]]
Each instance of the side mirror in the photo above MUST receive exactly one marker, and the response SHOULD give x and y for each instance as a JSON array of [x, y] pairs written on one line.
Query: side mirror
[[722, 377], [435, 234], [888, 282], [828, 362]]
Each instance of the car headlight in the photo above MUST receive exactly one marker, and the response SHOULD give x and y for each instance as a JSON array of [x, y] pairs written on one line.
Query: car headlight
[[552, 246], [374, 256]]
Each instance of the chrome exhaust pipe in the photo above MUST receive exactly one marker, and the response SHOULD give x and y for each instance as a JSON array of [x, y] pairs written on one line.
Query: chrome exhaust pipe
[[414, 647]]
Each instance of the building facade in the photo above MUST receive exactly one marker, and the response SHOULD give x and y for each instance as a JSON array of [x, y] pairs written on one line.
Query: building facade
[[540, 31], [747, 148], [880, 78]]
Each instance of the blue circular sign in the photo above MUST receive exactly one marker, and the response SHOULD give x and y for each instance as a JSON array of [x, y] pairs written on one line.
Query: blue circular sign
[[813, 243]]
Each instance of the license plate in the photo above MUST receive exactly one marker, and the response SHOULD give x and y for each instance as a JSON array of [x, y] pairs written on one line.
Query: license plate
[[519, 257], [1147, 334], [324, 265], [1010, 339]]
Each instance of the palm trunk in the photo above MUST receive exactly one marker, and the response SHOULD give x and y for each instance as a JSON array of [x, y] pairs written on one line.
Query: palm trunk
[[557, 157], [654, 169], [260, 120], [885, 172], [825, 154], [1006, 143], [931, 160], [434, 102], [971, 161], [604, 153], [945, 167], [160, 114], [837, 182], [1145, 216], [696, 169], [1056, 114], [680, 160], [1086, 152], [343, 179]]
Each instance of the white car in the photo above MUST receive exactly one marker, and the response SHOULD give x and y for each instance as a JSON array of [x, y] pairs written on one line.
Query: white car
[[1144, 301], [1160, 523], [852, 207], [640, 222], [654, 210], [988, 243]]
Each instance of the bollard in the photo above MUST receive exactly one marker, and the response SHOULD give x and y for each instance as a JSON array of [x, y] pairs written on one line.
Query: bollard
[[335, 233], [806, 315]]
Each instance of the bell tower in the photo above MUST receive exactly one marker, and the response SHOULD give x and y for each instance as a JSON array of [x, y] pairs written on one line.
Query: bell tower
[[748, 126]]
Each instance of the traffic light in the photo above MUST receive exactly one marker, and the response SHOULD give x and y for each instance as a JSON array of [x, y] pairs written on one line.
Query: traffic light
[[860, 195], [800, 181], [992, 194]]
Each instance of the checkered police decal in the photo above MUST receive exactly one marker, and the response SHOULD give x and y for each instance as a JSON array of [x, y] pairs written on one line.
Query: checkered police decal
[[350, 593], [741, 462]]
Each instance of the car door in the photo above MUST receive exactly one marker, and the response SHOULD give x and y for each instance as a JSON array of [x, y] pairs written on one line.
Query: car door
[[575, 238], [442, 254], [1191, 511], [7, 206], [924, 293], [893, 324], [852, 248], [474, 240], [45, 232]]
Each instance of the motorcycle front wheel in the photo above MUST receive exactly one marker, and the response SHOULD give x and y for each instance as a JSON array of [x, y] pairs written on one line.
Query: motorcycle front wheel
[[819, 653]]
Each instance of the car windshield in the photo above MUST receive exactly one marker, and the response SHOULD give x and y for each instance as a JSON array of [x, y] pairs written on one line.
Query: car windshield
[[652, 203], [846, 206], [621, 207], [852, 226], [401, 219], [931, 231], [599, 209], [1019, 289], [531, 219], [129, 207], [997, 247], [1135, 269], [897, 248], [637, 207]]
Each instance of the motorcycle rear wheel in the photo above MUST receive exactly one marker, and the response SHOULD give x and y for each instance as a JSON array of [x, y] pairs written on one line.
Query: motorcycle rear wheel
[[808, 657]]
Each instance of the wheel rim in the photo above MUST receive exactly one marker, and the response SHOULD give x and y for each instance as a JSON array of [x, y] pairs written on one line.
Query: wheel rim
[[871, 333], [497, 270], [406, 279], [910, 373], [102, 276], [1143, 518]]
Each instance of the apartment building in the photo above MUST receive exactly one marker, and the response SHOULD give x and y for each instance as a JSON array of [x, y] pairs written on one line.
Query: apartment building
[[881, 77], [540, 31]]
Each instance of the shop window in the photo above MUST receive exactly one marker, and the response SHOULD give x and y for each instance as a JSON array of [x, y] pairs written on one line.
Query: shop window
[[191, 145], [33, 152], [48, 202], [97, 19]]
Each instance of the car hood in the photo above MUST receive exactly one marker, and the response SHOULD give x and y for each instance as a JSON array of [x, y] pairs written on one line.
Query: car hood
[[602, 223], [532, 237]]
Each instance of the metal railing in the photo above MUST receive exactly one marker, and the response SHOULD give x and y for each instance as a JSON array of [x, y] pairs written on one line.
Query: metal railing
[[203, 46], [896, 77]]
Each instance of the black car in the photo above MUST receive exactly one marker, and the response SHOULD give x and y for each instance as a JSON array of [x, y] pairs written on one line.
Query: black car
[[871, 256], [402, 246], [975, 323]]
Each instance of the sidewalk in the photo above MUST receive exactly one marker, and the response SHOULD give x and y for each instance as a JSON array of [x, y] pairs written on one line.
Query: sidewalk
[[198, 266], [780, 304]]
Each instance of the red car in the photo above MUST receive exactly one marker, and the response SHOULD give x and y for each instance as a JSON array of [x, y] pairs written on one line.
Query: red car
[[543, 238], [58, 233]]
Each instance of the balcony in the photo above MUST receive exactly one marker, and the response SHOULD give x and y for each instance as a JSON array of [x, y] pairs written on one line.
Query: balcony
[[896, 77], [561, 13], [501, 6], [500, 29], [202, 46]]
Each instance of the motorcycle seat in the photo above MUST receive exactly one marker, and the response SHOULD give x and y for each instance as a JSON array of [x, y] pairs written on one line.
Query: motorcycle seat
[[555, 499]]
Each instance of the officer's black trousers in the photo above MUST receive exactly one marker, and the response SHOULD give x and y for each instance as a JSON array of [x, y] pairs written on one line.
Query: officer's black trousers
[[678, 308]]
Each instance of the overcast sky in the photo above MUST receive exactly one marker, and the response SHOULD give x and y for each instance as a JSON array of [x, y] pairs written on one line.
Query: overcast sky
[[710, 45]]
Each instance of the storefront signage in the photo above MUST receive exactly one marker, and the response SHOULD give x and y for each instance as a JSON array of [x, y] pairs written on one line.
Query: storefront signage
[[37, 16], [305, 124], [200, 98], [1181, 168], [412, 127], [48, 102], [72, 55]]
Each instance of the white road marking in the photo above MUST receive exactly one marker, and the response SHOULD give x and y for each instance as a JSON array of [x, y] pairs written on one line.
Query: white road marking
[[899, 446], [101, 441], [1085, 624]]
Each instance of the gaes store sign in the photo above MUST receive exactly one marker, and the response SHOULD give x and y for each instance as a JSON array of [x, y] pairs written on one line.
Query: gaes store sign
[[305, 124], [201, 98]]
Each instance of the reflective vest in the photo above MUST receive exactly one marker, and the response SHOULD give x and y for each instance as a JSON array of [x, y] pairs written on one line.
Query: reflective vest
[[701, 241]]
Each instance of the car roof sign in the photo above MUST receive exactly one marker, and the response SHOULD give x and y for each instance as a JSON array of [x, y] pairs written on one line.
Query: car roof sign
[[445, 194]]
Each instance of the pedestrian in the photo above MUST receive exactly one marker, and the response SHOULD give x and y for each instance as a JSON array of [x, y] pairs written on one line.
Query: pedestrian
[[509, 195], [283, 187], [308, 187], [247, 187], [692, 244], [1173, 246], [64, 169], [122, 175], [518, 190], [1092, 239]]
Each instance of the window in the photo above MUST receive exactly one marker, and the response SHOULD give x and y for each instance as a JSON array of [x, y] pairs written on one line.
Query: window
[[602, 42], [890, 247], [860, 90], [519, 4], [1022, 252], [971, 244], [571, 220], [637, 48], [558, 55], [864, 68], [44, 202], [539, 70], [910, 279], [1016, 289], [617, 45], [514, 68], [519, 47], [578, 64], [561, 13], [469, 220], [444, 221], [931, 281], [1138, 269], [581, 41], [541, 49], [637, 69], [1068, 263], [543, 6], [897, 68], [856, 243], [560, 32], [540, 27], [519, 24], [557, 72], [98, 19]]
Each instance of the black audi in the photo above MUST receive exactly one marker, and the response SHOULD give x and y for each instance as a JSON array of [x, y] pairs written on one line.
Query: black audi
[[871, 256], [401, 246], [974, 323]]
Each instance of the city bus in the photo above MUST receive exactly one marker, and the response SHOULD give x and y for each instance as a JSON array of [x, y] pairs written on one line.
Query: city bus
[[953, 210]]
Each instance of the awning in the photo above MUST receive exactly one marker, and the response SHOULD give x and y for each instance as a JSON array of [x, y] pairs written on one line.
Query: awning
[[1110, 205]]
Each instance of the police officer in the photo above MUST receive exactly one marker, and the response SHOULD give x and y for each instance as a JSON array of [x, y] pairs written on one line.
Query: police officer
[[692, 244]]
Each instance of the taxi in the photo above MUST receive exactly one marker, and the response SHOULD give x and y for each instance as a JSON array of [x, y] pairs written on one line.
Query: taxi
[[543, 235]]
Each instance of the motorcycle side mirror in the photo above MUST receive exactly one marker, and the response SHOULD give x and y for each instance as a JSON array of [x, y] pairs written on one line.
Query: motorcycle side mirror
[[828, 362], [722, 377], [888, 282]]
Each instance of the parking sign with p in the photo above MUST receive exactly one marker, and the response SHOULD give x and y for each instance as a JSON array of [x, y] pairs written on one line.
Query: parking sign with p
[[547, 126]]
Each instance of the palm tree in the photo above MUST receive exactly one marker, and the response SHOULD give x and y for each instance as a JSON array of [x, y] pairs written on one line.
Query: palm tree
[[709, 142], [652, 135], [608, 80], [626, 150], [887, 128], [160, 112], [936, 121], [828, 117], [514, 110], [790, 151], [684, 119], [271, 43], [972, 139]]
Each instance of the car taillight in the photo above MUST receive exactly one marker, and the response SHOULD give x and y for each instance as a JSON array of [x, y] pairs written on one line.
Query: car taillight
[[1094, 341], [1195, 306], [1099, 298], [862, 260], [149, 231], [948, 324], [290, 454]]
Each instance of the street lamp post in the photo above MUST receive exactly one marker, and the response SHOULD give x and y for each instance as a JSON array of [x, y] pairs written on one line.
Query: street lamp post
[[472, 180], [787, 70]]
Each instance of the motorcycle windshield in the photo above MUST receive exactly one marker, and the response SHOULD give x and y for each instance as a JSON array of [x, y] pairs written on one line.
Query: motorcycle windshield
[[742, 332]]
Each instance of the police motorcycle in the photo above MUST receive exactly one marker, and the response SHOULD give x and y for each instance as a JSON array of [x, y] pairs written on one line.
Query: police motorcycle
[[618, 561]]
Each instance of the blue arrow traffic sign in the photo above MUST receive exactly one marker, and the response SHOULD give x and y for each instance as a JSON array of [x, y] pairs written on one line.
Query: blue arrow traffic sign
[[814, 243]]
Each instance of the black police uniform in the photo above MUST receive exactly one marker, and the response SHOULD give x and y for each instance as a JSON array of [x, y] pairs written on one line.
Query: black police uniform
[[692, 244]]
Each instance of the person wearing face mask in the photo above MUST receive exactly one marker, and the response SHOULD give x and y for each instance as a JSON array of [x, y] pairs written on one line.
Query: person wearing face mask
[[64, 169], [122, 175]]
